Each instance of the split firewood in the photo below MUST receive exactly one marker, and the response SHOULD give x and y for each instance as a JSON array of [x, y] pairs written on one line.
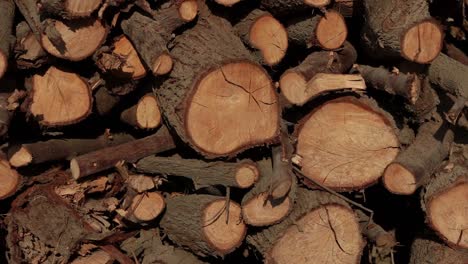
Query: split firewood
[[60, 149], [242, 174], [71, 95], [321, 227], [10, 180], [97, 257], [73, 40], [405, 85], [424, 250], [28, 50], [121, 60], [145, 207], [327, 31], [262, 31], [207, 225], [68, 9], [319, 73], [215, 81], [145, 114], [414, 165], [7, 14], [368, 133], [401, 29], [132, 151]]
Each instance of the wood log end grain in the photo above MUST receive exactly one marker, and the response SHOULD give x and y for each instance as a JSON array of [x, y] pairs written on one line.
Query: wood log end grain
[[71, 94], [269, 36], [146, 206], [188, 10], [331, 31], [10, 180], [317, 3], [399, 180], [3, 63], [245, 93], [262, 211], [246, 175], [329, 231], [422, 42], [227, 3], [359, 124], [145, 114], [163, 64], [21, 158]]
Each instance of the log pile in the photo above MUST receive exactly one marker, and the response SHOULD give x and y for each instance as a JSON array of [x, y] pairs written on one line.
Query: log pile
[[233, 131]]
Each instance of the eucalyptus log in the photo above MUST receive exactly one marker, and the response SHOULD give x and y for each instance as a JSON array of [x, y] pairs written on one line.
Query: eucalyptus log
[[7, 14]]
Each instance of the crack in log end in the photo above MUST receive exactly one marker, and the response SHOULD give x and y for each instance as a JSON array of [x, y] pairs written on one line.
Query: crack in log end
[[331, 31], [269, 36], [237, 104], [422, 42]]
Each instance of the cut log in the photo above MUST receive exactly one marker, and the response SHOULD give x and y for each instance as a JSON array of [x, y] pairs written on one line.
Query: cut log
[[122, 60], [59, 98], [346, 143], [425, 251], [60, 149], [10, 180], [7, 14], [449, 75], [413, 166], [5, 114], [105, 101], [204, 223], [188, 10], [68, 9], [328, 31], [285, 7], [262, 31], [302, 83], [146, 207], [28, 50], [401, 29], [73, 40], [144, 115], [259, 208], [97, 257], [216, 100], [242, 174], [132, 151], [228, 3], [405, 85], [317, 3], [321, 228], [455, 53]]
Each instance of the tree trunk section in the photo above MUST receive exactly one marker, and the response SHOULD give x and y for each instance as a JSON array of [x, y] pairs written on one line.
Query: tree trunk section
[[426, 251], [449, 75], [145, 207], [7, 14], [145, 114]]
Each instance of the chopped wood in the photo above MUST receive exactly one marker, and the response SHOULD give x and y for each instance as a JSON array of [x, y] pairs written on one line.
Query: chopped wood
[[145, 207], [7, 13], [60, 149], [425, 250], [132, 151], [242, 174], [188, 10], [145, 114], [10, 180], [68, 9], [455, 53], [205, 224], [72, 97], [317, 3], [28, 50], [449, 75]]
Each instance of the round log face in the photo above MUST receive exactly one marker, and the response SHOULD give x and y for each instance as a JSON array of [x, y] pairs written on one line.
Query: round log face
[[80, 8], [132, 66], [162, 65], [3, 64], [223, 236], [422, 43], [227, 2], [246, 175], [21, 158], [346, 145], [293, 86], [188, 10], [328, 234], [317, 3], [258, 213], [232, 108], [331, 31], [399, 180], [447, 214], [147, 113], [270, 37], [60, 98], [9, 180], [147, 206], [81, 40]]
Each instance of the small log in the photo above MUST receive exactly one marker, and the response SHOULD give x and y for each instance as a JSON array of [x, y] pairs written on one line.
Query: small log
[[28, 50], [105, 101], [449, 75], [241, 174], [368, 133], [145, 207], [60, 149], [321, 228], [59, 98], [7, 14], [215, 98], [132, 151], [145, 114], [425, 250], [97, 257], [302, 83], [10, 180], [401, 29], [187, 9], [204, 223], [122, 60], [5, 114], [455, 53], [227, 3], [327, 31], [405, 85], [73, 40], [413, 166], [260, 30], [68, 9]]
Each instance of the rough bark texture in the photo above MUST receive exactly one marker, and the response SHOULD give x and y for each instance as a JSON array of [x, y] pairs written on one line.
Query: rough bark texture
[[105, 101], [202, 173], [68, 9], [285, 7], [29, 10], [7, 13], [28, 50], [449, 75], [5, 114], [427, 251], [301, 31], [145, 114]]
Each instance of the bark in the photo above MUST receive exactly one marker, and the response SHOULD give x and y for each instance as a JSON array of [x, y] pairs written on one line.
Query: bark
[[201, 223], [242, 174], [28, 50], [348, 8], [286, 7], [105, 101], [132, 151], [61, 149], [30, 12], [5, 114], [455, 53], [207, 51], [145, 114], [449, 75], [392, 31], [414, 165], [68, 9], [7, 14], [427, 251]]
